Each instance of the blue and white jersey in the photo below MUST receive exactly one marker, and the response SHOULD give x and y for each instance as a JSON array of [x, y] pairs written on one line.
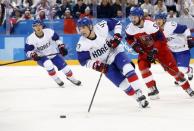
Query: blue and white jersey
[[43, 46], [176, 35], [90, 51]]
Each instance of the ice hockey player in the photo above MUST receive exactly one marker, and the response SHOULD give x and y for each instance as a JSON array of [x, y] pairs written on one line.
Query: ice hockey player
[[177, 39], [97, 50], [43, 42], [146, 39]]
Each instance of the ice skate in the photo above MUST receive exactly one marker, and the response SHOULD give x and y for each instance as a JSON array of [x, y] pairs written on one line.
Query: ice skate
[[74, 81], [190, 74], [141, 99], [190, 92], [154, 93], [59, 82]]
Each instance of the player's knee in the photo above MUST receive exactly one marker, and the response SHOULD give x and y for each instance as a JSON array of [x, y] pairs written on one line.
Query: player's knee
[[48, 65], [124, 85], [127, 68]]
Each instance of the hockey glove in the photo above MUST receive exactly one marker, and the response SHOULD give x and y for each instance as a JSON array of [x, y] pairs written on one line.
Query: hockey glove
[[137, 48], [152, 56], [115, 41], [63, 51], [190, 41], [35, 56], [101, 67]]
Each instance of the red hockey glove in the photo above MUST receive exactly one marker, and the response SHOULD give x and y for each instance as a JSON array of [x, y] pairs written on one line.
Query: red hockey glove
[[152, 55], [115, 41], [35, 56], [101, 67], [63, 51]]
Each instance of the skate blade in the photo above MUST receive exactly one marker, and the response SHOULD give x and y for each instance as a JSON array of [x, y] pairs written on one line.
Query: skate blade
[[155, 97]]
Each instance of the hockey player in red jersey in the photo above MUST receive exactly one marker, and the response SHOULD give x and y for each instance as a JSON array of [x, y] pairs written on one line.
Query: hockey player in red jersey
[[145, 37]]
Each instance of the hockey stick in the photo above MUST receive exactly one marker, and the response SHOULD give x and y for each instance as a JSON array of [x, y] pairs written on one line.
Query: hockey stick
[[91, 102], [164, 65], [9, 63]]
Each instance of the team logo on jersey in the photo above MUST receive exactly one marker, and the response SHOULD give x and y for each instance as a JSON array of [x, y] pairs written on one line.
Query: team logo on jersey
[[100, 51], [147, 40], [156, 26], [44, 46]]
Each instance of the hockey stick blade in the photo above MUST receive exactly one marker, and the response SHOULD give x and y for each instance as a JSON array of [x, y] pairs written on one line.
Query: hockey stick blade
[[9, 63]]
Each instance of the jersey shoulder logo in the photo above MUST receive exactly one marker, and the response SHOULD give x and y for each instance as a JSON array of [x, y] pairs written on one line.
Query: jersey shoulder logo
[[155, 25], [102, 23]]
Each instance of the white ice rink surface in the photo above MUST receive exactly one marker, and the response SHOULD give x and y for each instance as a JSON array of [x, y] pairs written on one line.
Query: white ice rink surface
[[31, 101]]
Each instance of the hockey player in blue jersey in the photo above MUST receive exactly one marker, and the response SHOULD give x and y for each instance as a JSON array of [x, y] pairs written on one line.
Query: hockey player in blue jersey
[[96, 49], [43, 42], [177, 39]]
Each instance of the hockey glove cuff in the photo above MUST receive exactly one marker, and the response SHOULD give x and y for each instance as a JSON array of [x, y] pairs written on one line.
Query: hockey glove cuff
[[63, 51], [190, 41], [115, 41]]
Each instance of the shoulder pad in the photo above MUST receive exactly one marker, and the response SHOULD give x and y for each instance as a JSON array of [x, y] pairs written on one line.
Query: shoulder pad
[[82, 45]]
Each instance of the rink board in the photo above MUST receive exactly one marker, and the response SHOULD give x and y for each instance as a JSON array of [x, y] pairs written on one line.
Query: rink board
[[12, 49]]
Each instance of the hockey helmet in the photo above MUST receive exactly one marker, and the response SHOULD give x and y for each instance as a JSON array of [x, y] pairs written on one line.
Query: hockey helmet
[[85, 21], [160, 15], [37, 22], [136, 11]]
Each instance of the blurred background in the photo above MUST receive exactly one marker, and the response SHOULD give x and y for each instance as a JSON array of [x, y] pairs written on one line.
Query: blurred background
[[61, 15]]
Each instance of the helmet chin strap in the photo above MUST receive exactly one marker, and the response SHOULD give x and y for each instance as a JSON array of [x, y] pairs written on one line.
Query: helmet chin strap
[[90, 32], [164, 21]]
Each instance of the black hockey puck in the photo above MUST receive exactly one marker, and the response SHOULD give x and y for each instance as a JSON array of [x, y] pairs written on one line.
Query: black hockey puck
[[62, 116]]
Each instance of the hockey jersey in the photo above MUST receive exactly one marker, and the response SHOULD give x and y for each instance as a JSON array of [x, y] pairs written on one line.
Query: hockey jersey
[[148, 36], [176, 35], [42, 46], [90, 51]]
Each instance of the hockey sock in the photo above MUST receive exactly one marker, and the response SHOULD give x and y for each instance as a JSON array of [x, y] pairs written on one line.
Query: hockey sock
[[134, 82], [182, 81], [53, 74], [67, 71], [148, 79], [130, 91]]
